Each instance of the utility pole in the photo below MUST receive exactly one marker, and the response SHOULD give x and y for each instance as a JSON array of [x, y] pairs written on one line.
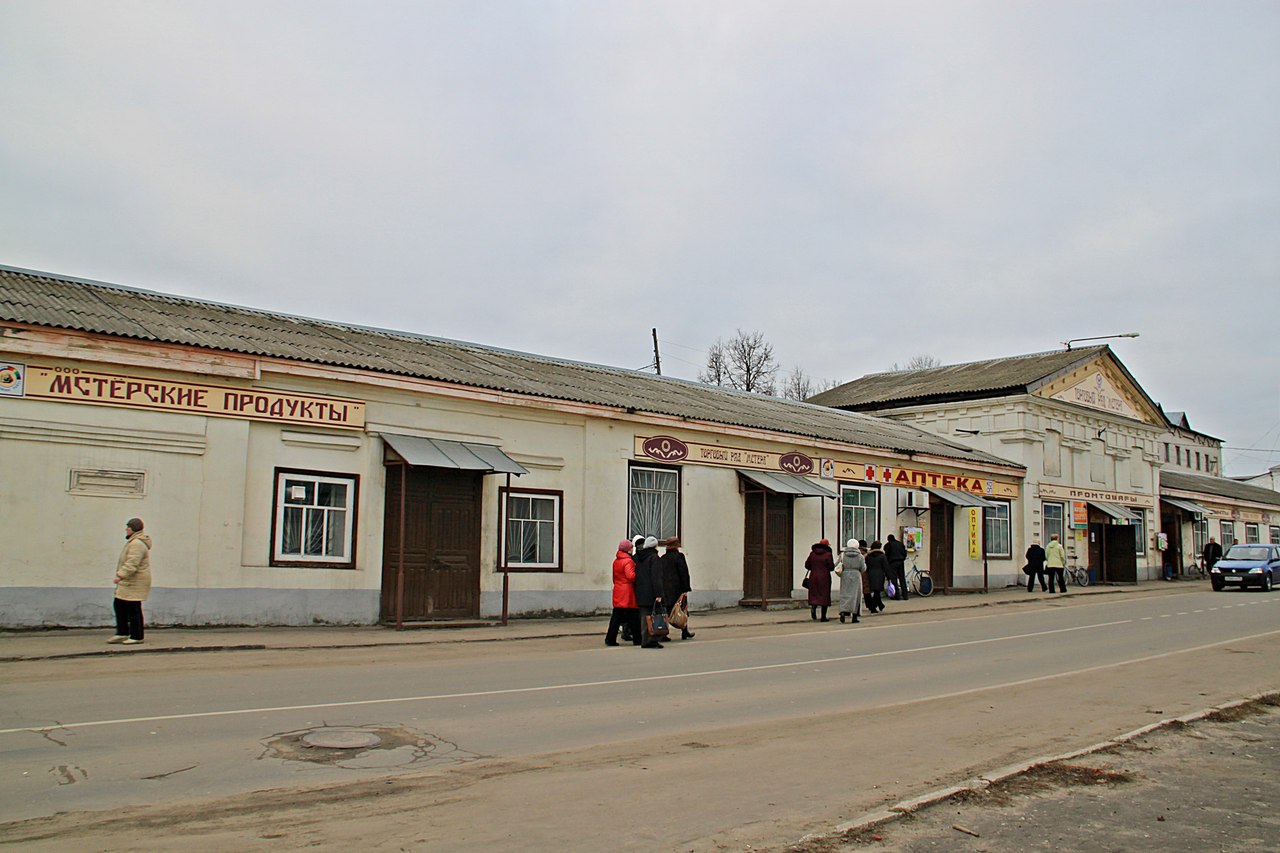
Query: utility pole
[[657, 359]]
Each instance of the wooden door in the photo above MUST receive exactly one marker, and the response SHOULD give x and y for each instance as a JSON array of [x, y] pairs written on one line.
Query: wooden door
[[1120, 557], [441, 544], [767, 537], [941, 542]]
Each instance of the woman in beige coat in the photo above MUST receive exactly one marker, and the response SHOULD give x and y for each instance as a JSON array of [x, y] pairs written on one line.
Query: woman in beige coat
[[133, 583]]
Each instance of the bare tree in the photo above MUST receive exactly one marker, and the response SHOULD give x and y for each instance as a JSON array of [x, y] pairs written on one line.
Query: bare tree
[[717, 369], [919, 362], [798, 385], [750, 363]]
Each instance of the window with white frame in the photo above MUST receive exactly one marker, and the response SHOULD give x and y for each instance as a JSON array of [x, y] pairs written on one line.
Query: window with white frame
[[1200, 534], [1139, 522], [1252, 533], [315, 518], [654, 508], [859, 513], [1227, 531], [999, 542], [1275, 534], [531, 537], [1054, 520]]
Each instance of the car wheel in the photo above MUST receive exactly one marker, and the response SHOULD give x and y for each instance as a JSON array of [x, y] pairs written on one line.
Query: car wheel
[[1217, 585], [1266, 583]]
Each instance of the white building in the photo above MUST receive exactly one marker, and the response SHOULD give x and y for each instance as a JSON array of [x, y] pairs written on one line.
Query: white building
[[296, 471], [1081, 425]]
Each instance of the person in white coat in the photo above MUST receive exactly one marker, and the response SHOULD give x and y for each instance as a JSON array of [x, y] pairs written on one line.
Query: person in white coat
[[850, 570]]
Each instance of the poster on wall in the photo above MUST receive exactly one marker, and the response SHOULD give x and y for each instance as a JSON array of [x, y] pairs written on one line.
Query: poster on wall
[[975, 532], [11, 378], [1079, 514]]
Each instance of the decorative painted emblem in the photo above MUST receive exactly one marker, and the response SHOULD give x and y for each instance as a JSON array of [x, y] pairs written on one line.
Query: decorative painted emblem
[[796, 463], [870, 473], [666, 448], [1097, 381], [11, 379]]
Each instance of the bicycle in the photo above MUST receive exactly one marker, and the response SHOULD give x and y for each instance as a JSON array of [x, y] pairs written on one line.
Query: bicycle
[[1078, 575], [919, 581]]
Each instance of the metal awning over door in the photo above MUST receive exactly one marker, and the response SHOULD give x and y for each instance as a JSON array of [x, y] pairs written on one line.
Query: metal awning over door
[[1117, 512], [459, 455], [960, 498], [786, 484], [1189, 506]]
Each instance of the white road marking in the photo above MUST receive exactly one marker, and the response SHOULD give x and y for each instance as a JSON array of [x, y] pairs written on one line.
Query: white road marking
[[569, 686]]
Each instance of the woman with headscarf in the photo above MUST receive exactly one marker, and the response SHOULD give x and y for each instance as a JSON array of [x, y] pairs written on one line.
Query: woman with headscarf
[[819, 566], [648, 588], [675, 579], [852, 565], [877, 572], [625, 613]]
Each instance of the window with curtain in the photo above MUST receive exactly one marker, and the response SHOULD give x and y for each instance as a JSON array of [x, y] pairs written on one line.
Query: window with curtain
[[1054, 520], [1227, 534], [314, 519], [531, 539], [1275, 534], [654, 502], [1252, 534], [859, 514], [999, 541], [1140, 534]]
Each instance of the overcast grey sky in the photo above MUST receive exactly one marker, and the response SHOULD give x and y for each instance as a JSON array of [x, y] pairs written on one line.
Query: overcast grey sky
[[861, 181]]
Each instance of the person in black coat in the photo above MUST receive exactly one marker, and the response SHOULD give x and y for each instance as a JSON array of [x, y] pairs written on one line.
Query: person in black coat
[[648, 588], [675, 579], [896, 555], [1035, 567], [877, 572], [1212, 553]]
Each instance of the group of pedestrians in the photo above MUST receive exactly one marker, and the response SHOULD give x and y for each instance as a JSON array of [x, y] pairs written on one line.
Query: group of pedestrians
[[646, 584], [1051, 561], [865, 573]]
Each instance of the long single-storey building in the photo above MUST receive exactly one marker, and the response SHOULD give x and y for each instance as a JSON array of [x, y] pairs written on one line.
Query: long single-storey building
[[295, 471]]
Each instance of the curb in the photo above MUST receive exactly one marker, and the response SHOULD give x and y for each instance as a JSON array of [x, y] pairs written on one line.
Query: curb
[[586, 632], [897, 811]]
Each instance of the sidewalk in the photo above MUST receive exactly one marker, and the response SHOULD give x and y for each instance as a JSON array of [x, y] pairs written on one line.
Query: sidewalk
[[53, 644]]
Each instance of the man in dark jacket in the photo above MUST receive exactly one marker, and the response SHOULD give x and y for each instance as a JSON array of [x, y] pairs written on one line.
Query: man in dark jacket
[[648, 588], [1212, 553], [1035, 567], [896, 553], [675, 579]]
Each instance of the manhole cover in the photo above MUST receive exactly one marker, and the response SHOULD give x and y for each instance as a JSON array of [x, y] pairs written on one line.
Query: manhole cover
[[341, 739]]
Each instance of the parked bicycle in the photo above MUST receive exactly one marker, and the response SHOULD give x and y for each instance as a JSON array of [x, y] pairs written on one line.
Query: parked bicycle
[[1078, 575], [919, 581]]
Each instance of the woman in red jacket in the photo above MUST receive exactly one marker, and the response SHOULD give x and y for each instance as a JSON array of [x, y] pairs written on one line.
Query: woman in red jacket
[[625, 611]]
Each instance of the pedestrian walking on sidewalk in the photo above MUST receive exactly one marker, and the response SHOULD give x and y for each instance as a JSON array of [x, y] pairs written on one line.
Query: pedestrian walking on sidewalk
[[851, 567], [1035, 566], [875, 577], [675, 579], [648, 588], [1056, 564], [133, 584], [819, 567], [626, 614], [895, 553], [1212, 553]]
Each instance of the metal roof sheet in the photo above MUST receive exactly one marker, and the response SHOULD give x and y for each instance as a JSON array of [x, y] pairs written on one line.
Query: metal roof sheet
[[961, 498], [44, 299], [786, 484], [1222, 487]]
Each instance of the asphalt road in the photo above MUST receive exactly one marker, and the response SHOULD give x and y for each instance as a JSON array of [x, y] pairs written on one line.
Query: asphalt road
[[762, 734]]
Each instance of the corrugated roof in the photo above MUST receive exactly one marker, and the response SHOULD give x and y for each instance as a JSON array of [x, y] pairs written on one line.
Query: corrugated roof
[[44, 299], [975, 379], [1221, 486]]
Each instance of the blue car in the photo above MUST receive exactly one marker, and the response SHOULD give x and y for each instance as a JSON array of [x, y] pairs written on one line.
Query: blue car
[[1247, 565]]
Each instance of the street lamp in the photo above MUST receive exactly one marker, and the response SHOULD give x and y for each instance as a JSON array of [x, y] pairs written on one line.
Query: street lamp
[[1068, 344]]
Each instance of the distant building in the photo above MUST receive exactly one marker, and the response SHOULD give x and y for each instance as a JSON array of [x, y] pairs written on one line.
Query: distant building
[[1269, 479], [1086, 432], [1186, 449]]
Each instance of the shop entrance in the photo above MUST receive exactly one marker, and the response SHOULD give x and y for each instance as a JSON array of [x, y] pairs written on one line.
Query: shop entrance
[[441, 544], [767, 562], [1113, 554], [941, 541]]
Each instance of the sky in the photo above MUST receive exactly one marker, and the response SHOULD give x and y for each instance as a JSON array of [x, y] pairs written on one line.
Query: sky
[[862, 182]]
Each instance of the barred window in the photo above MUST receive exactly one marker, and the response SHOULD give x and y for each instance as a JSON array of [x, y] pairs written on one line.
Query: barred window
[[654, 502]]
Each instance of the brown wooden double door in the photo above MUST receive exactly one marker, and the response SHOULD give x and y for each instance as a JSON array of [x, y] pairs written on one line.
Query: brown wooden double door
[[768, 538], [942, 517], [441, 543]]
